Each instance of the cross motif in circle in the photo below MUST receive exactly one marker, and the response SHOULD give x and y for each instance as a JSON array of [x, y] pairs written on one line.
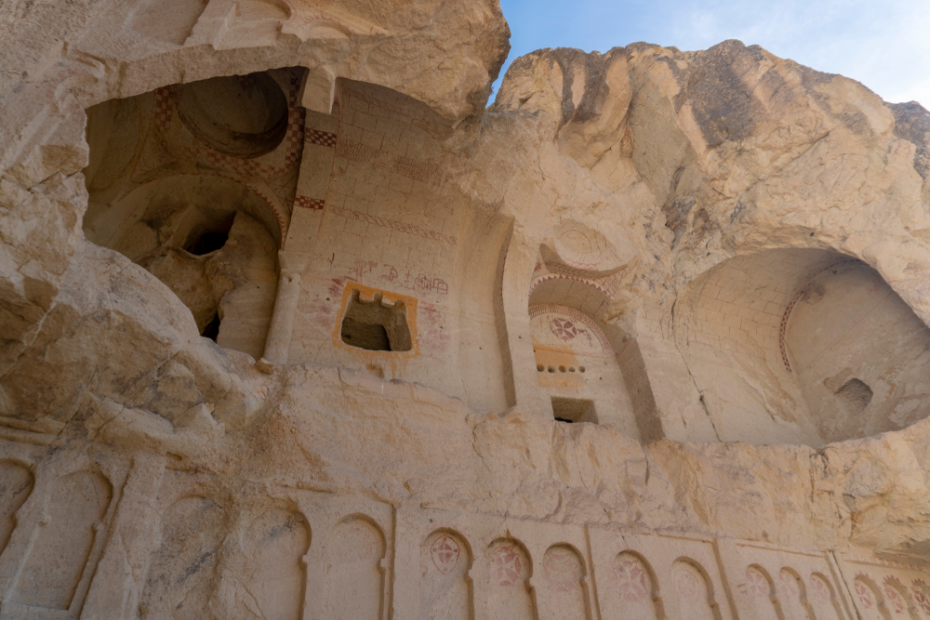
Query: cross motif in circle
[[445, 553], [632, 579], [506, 567], [563, 329]]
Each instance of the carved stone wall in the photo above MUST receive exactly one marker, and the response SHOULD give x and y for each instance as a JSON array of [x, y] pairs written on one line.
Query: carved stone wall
[[292, 325]]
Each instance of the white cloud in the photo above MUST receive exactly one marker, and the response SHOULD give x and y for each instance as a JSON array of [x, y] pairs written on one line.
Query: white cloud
[[885, 45]]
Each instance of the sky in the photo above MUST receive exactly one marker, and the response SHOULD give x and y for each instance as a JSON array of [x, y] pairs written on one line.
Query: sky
[[885, 44]]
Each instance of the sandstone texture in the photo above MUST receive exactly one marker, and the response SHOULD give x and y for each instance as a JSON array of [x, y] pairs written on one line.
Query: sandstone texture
[[294, 325]]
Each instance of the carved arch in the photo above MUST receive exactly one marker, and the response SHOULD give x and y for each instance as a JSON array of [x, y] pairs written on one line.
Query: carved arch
[[17, 481], [707, 582]]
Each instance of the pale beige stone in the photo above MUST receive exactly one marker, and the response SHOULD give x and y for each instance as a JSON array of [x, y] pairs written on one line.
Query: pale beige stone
[[294, 327]]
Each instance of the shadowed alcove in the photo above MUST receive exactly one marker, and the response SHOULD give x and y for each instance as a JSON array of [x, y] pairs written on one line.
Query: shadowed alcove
[[803, 346]]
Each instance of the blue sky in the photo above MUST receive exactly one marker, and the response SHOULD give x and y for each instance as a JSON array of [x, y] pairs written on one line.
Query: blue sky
[[885, 44]]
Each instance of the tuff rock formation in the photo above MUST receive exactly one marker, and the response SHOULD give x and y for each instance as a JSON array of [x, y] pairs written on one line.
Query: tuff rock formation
[[294, 326]]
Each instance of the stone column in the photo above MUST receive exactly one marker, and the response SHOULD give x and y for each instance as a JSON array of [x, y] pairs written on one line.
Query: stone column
[[118, 582], [733, 577], [515, 288], [316, 164], [278, 343]]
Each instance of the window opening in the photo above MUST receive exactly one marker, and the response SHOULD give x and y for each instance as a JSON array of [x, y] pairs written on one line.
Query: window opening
[[573, 410], [376, 326], [212, 330], [210, 240], [855, 396]]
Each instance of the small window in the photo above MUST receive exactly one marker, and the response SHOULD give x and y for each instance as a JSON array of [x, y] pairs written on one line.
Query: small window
[[854, 396], [572, 410], [212, 330], [376, 326], [210, 239]]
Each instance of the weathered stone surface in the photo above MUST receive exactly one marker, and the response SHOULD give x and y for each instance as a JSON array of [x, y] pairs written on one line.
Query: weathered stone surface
[[292, 326]]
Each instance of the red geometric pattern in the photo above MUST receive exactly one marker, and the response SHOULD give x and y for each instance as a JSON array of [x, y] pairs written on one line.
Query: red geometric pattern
[[578, 318], [445, 553], [322, 138], [893, 593], [820, 589], [789, 583], [506, 565], [383, 222], [783, 325], [756, 583], [864, 594], [309, 203], [266, 167], [921, 594], [554, 276], [162, 108], [268, 201], [563, 329], [632, 580]]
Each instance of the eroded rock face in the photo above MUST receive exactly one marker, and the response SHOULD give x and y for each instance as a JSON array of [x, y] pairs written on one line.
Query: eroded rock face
[[294, 327]]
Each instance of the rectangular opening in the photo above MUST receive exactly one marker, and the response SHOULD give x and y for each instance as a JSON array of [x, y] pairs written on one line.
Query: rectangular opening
[[375, 325], [573, 410]]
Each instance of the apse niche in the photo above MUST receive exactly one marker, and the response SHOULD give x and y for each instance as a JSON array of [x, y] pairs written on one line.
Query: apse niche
[[192, 183], [805, 346], [590, 368]]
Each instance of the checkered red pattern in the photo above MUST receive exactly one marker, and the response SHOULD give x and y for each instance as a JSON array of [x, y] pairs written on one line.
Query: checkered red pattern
[[309, 203], [270, 203], [274, 165], [783, 325], [163, 108], [322, 138], [280, 161]]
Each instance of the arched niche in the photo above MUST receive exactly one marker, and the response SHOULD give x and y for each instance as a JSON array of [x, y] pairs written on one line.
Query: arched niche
[[794, 599], [695, 590], [60, 555], [211, 241], [176, 149], [590, 368], [196, 182], [631, 592], [921, 594], [823, 599], [509, 569], [563, 594], [16, 483], [861, 355], [175, 211], [275, 543], [181, 574], [898, 599], [354, 588], [446, 585], [802, 346], [869, 599], [761, 588]]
